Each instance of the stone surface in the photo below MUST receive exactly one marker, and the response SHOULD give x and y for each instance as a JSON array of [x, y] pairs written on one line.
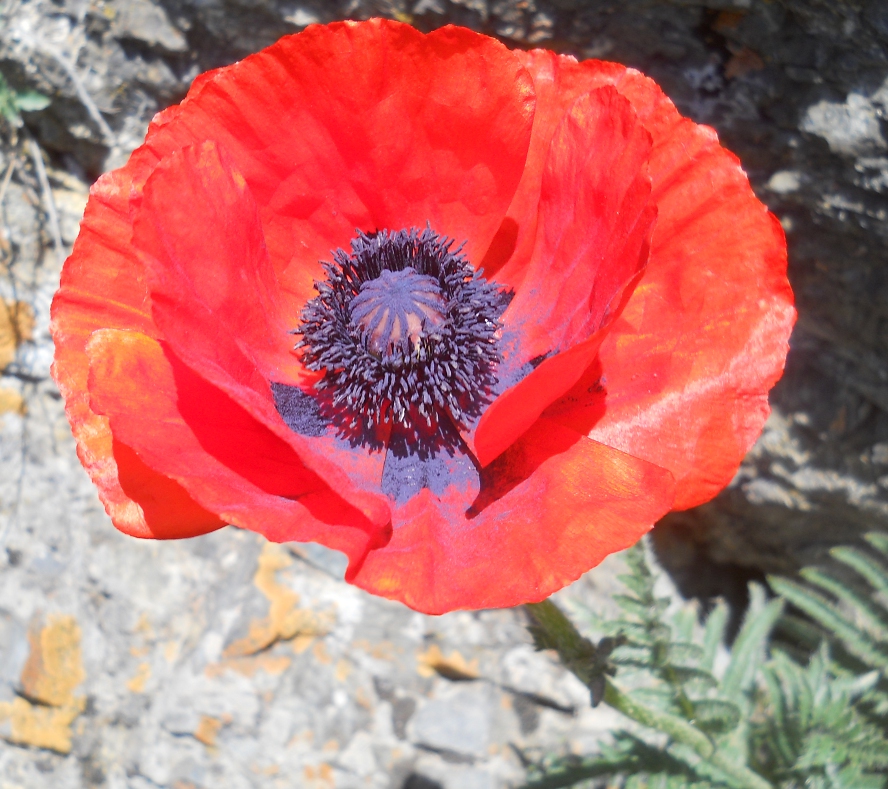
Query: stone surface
[[221, 662]]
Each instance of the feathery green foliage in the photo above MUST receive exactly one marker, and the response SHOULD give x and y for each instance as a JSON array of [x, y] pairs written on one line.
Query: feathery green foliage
[[853, 620], [813, 735], [751, 717]]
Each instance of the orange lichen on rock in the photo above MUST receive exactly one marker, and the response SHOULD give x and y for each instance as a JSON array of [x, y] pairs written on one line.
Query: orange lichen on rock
[[207, 730], [43, 717], [453, 666], [320, 776], [248, 666], [24, 723], [285, 619], [142, 675], [11, 402], [16, 327], [55, 666]]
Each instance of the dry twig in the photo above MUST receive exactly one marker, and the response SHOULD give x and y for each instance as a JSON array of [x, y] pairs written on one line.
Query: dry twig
[[82, 94], [48, 200]]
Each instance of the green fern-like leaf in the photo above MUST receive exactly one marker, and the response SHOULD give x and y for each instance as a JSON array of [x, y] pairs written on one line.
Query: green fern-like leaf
[[748, 651], [816, 736], [665, 661], [786, 720], [629, 762], [855, 620]]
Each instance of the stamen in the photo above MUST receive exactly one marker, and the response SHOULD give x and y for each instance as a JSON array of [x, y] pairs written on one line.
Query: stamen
[[405, 331]]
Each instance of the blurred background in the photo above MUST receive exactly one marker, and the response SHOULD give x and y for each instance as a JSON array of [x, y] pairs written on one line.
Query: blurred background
[[225, 662]]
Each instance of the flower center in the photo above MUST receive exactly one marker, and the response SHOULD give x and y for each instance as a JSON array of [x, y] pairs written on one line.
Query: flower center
[[405, 331]]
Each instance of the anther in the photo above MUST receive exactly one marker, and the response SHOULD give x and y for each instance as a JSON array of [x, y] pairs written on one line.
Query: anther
[[405, 330]]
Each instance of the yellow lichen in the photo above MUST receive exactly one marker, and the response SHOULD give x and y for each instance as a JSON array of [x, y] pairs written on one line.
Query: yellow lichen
[[285, 619], [319, 650], [38, 726], [16, 327], [454, 666], [343, 669], [248, 666], [207, 730], [53, 670], [54, 666], [11, 402], [142, 675]]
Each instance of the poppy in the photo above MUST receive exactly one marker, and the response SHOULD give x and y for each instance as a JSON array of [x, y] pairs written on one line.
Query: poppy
[[476, 318]]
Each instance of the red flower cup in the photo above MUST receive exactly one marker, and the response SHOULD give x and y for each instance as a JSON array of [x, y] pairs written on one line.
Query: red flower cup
[[476, 318]]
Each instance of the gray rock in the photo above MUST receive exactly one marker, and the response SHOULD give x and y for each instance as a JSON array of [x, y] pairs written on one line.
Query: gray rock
[[13, 653], [144, 21], [458, 724], [851, 128]]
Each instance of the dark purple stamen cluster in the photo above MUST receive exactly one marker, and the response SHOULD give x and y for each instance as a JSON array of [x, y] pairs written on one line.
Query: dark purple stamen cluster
[[405, 331]]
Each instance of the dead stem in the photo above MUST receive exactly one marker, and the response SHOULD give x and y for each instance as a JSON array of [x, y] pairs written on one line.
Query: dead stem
[[82, 94], [48, 200]]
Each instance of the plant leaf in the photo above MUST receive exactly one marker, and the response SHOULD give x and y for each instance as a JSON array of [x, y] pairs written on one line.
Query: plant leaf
[[713, 635], [830, 617], [875, 573], [716, 716], [749, 645], [31, 101]]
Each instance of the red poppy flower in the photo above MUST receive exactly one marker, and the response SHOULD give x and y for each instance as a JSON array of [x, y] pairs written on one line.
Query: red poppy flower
[[476, 318]]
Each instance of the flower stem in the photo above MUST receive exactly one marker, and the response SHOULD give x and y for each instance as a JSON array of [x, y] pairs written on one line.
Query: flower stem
[[683, 732], [551, 629]]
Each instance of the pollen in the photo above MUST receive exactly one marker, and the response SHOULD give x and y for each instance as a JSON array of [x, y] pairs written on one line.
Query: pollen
[[405, 330]]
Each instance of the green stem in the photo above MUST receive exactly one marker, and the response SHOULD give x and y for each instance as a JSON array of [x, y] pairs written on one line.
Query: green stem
[[676, 728], [683, 732], [551, 629]]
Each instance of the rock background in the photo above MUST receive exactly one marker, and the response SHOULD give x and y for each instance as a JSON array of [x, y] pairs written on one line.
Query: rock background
[[220, 662]]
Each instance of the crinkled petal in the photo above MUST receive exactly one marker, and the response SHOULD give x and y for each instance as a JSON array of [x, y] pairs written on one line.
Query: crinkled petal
[[556, 89], [199, 234], [163, 504], [102, 285], [593, 235], [370, 125], [186, 429], [594, 225], [686, 368], [551, 507]]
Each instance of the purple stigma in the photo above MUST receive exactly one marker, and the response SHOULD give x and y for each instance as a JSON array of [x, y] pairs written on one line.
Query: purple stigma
[[397, 309]]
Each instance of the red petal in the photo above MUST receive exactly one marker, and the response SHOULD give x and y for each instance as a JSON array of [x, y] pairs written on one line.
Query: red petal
[[213, 297], [687, 367], [102, 285], [199, 229], [550, 508], [556, 89], [593, 235], [516, 409], [167, 509], [370, 125], [185, 429], [478, 82]]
